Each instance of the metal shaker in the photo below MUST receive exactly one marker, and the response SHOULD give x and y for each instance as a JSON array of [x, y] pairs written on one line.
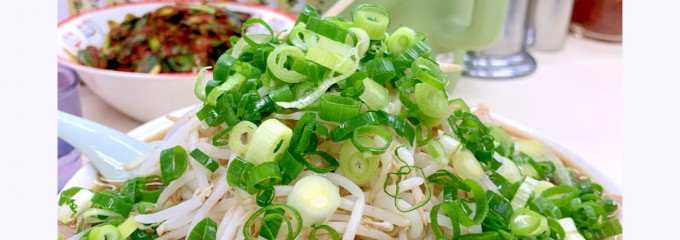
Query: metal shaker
[[538, 25], [507, 57], [549, 27]]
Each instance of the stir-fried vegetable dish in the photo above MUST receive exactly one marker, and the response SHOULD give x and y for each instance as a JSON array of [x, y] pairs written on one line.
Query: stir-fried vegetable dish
[[172, 39]]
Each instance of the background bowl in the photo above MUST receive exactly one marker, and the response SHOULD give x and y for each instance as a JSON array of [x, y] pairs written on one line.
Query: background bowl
[[142, 96]]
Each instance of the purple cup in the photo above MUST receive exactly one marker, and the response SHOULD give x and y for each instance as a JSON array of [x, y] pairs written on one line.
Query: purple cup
[[69, 101]]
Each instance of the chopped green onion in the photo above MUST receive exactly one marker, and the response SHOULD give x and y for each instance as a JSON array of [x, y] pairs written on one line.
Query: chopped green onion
[[146, 208], [589, 215], [330, 162], [271, 223], [226, 105], [281, 93], [561, 195], [555, 229], [72, 203], [467, 166], [232, 82], [447, 179], [329, 229], [542, 186], [400, 174], [374, 95], [525, 222], [609, 205], [380, 69], [401, 39], [253, 21], [247, 106], [199, 86], [327, 29], [312, 70], [400, 125], [204, 160], [127, 228], [290, 168], [209, 115], [340, 63], [68, 194], [242, 130], [505, 145], [364, 139], [265, 196], [173, 163], [458, 107], [111, 202], [609, 228], [315, 198], [420, 49], [545, 207], [269, 142], [307, 13], [499, 213], [353, 86], [428, 72], [293, 231], [148, 189], [218, 139], [372, 18], [105, 232], [481, 206], [302, 134], [475, 136], [363, 40], [222, 68], [237, 171], [570, 229], [355, 166], [525, 192], [336, 108], [420, 140], [436, 151], [127, 191], [277, 59], [509, 170], [260, 176], [450, 212], [481, 236], [325, 85], [206, 229], [449, 144]]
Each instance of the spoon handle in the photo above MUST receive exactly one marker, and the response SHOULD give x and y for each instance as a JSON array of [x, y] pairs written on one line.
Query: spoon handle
[[106, 148]]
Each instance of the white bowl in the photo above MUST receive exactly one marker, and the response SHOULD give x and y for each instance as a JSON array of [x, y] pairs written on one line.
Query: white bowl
[[140, 95], [156, 128]]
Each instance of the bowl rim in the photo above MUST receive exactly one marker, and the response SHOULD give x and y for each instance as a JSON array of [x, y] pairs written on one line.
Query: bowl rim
[[87, 173], [80, 67]]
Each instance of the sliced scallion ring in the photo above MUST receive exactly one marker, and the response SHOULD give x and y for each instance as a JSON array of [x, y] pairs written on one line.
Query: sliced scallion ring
[[277, 59], [372, 18], [363, 139], [270, 140], [355, 165]]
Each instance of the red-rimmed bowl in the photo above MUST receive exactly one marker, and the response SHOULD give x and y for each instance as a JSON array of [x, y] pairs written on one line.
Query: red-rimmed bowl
[[142, 96]]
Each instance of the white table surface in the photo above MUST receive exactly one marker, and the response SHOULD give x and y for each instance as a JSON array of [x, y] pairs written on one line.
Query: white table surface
[[574, 96]]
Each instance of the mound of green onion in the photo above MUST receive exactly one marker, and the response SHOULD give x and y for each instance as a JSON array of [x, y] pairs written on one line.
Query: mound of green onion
[[321, 106]]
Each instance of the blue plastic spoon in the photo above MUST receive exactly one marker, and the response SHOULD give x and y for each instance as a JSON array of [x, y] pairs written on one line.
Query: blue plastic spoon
[[106, 148]]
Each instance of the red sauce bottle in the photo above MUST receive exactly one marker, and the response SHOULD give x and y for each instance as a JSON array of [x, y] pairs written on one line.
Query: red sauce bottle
[[598, 19]]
